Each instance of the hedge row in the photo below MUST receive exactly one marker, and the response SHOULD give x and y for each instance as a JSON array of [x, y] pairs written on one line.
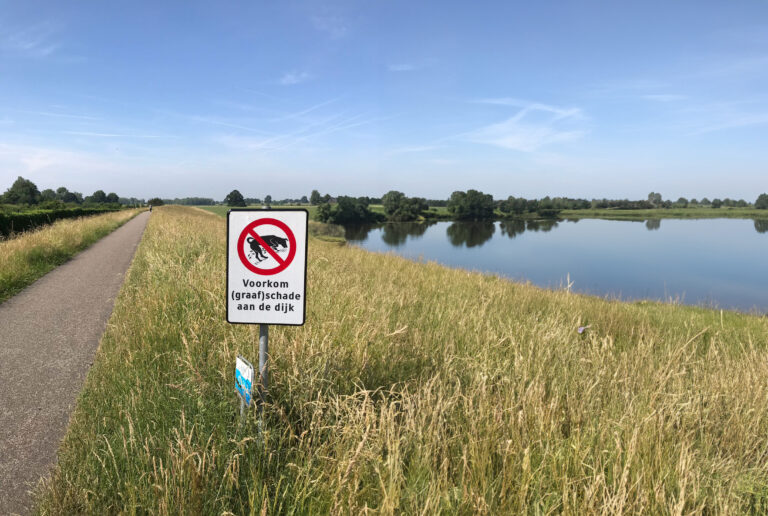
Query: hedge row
[[18, 222]]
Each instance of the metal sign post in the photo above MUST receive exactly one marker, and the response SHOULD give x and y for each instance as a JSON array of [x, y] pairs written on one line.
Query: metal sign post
[[263, 365]]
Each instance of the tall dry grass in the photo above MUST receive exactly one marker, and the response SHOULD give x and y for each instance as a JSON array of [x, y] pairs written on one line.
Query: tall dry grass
[[28, 256], [413, 389]]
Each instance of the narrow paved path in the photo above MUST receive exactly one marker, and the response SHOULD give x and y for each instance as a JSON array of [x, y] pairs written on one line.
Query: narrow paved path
[[48, 336]]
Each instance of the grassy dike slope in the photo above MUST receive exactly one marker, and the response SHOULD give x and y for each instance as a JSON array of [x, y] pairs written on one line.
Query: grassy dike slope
[[412, 388], [30, 255]]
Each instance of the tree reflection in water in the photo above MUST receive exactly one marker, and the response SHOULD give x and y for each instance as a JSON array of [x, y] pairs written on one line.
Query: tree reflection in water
[[541, 225], [653, 224], [470, 234], [397, 233], [761, 225], [512, 227], [394, 234], [358, 232]]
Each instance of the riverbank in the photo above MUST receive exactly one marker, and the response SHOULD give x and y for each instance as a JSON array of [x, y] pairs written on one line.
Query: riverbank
[[412, 388], [672, 213], [442, 213]]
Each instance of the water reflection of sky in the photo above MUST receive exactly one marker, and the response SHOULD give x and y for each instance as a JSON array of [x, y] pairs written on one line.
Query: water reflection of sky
[[720, 262]]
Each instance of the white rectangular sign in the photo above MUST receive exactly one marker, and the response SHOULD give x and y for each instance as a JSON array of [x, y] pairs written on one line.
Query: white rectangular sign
[[266, 266], [244, 379]]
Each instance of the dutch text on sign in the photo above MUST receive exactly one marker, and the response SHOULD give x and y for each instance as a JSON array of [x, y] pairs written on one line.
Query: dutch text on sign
[[266, 266]]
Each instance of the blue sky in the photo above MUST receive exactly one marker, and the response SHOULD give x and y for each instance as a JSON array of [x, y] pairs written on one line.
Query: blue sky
[[587, 99]]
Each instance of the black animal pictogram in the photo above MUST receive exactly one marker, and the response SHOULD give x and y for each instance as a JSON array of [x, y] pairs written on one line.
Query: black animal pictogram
[[275, 242]]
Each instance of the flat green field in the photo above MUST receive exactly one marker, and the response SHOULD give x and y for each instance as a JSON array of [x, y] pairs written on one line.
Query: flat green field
[[672, 213], [222, 210], [412, 388]]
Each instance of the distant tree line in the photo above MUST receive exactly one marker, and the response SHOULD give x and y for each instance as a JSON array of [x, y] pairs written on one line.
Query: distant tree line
[[191, 201], [25, 192], [472, 205]]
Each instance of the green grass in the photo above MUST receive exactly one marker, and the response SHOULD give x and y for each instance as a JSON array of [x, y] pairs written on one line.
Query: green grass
[[672, 213], [412, 388], [222, 210], [28, 256]]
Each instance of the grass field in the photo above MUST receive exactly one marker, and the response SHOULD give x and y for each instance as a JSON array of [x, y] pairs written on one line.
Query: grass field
[[30, 255], [414, 389], [222, 210], [672, 213]]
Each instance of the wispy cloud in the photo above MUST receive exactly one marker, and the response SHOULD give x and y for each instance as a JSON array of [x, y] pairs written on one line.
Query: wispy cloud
[[333, 25], [734, 121], [32, 158], [528, 106], [223, 123], [305, 111], [534, 126], [61, 115], [292, 78], [402, 67], [35, 41], [114, 135], [664, 97], [408, 149], [311, 131]]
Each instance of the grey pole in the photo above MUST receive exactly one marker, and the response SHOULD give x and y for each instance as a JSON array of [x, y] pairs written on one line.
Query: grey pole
[[263, 365]]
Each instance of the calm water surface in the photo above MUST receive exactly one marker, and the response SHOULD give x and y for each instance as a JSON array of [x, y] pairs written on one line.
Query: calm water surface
[[712, 262]]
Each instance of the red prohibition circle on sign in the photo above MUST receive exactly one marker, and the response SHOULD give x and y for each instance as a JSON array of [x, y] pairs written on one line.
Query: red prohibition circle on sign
[[250, 231]]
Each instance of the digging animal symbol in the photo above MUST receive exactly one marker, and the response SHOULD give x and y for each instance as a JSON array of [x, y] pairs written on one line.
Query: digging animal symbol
[[275, 242]]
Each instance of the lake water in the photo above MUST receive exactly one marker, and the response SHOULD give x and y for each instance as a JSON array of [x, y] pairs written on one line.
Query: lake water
[[713, 262]]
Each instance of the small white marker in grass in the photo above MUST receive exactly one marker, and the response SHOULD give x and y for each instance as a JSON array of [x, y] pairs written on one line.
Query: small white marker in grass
[[243, 382]]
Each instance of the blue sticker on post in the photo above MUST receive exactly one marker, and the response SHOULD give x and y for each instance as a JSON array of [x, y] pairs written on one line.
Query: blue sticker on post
[[244, 379]]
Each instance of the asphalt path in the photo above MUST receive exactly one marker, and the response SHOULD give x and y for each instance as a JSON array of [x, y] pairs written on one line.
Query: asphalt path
[[49, 334]]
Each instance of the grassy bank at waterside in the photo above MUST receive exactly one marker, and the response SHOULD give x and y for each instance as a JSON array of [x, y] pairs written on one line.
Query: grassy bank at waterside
[[412, 388], [671, 213], [28, 256]]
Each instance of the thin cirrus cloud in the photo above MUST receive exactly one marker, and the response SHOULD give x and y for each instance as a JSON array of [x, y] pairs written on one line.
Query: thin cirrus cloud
[[332, 25], [534, 126], [291, 78], [664, 97], [35, 41], [114, 135], [402, 67]]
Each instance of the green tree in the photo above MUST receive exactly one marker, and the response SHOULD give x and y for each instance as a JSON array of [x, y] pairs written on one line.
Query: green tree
[[98, 197], [324, 212], [72, 197], [23, 191], [471, 205], [655, 199], [47, 195], [716, 203], [762, 202], [347, 210], [682, 202], [112, 197], [399, 207], [392, 201], [234, 198], [268, 200], [304, 199], [315, 198], [155, 201]]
